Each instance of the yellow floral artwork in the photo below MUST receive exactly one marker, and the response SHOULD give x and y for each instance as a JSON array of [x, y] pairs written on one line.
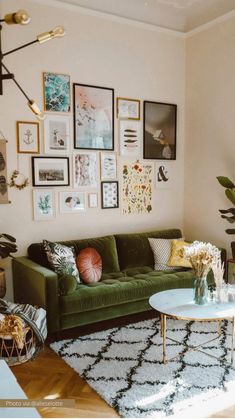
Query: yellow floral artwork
[[137, 188]]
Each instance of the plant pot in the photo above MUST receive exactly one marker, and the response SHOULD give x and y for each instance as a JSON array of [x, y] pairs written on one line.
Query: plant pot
[[233, 249], [2, 283]]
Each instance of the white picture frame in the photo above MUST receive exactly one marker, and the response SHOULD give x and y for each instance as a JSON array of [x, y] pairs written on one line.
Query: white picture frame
[[57, 134], [93, 200], [72, 202], [108, 166], [85, 169], [130, 135], [43, 205]]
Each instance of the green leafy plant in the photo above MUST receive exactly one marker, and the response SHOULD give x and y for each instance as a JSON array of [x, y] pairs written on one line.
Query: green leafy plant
[[228, 214], [7, 246]]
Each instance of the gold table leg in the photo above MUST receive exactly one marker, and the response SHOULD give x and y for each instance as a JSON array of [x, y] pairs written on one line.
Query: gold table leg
[[164, 337], [233, 332]]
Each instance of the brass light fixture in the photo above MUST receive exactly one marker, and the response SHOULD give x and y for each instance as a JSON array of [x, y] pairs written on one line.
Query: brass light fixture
[[21, 17]]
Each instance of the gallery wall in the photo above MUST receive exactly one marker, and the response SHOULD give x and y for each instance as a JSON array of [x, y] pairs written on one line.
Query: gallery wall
[[138, 62], [210, 140]]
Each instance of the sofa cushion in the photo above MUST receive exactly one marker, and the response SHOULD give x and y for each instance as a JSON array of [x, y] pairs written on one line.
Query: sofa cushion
[[61, 258], [177, 254], [123, 290], [134, 249], [89, 264], [161, 249], [105, 246]]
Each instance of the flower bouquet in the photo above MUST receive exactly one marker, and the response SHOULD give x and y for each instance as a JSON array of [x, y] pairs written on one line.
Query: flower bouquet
[[202, 257]]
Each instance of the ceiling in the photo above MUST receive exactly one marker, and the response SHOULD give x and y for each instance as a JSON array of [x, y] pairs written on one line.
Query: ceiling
[[179, 15]]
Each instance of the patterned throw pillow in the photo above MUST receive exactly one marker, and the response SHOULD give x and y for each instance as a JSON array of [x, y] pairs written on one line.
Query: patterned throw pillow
[[89, 263], [177, 256], [61, 258], [161, 251]]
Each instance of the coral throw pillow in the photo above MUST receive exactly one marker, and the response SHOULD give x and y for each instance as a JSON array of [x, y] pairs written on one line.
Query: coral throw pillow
[[89, 264]]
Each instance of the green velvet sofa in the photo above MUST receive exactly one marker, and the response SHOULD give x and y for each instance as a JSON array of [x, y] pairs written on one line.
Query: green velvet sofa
[[128, 280]]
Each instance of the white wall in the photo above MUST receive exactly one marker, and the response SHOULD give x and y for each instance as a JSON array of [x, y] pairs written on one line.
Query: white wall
[[210, 138], [137, 62]]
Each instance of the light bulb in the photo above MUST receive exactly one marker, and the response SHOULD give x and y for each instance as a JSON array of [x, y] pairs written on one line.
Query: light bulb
[[21, 17], [36, 110], [57, 32]]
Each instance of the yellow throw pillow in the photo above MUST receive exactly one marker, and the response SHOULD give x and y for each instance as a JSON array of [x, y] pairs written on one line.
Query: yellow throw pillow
[[177, 256]]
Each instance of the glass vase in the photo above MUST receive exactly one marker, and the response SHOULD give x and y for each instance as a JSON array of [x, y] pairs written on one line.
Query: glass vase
[[201, 293]]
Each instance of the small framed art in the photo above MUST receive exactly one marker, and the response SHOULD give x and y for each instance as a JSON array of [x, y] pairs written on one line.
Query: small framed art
[[109, 195], [108, 166], [128, 108], [160, 130], [93, 117], [50, 171], [130, 138], [72, 202], [43, 204], [56, 134], [27, 137], [93, 200], [85, 169], [56, 89]]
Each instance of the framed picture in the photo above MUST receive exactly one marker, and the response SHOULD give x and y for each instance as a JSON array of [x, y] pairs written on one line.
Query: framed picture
[[128, 108], [56, 90], [85, 169], [164, 174], [50, 171], [27, 137], [109, 195], [160, 131], [43, 204], [108, 166], [72, 202], [56, 134], [130, 138], [93, 200], [93, 117]]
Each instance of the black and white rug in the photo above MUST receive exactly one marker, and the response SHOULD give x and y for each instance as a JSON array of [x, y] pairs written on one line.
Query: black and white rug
[[124, 365]]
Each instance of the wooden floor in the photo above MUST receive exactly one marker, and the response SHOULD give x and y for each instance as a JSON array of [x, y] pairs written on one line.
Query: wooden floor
[[49, 377]]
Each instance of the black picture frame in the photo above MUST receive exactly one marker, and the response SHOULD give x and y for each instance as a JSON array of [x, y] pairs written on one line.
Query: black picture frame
[[159, 130], [50, 182], [85, 117], [108, 206]]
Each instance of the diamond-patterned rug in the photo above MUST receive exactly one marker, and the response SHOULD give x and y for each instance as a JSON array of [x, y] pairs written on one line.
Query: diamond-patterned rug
[[124, 365]]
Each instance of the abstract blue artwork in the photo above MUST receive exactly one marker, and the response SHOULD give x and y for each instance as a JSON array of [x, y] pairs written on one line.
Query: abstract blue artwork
[[56, 92]]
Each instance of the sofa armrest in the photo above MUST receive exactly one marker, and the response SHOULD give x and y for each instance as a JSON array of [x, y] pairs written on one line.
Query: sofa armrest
[[36, 285]]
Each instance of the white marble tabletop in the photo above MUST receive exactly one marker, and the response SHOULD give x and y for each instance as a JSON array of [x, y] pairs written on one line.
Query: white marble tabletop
[[179, 303]]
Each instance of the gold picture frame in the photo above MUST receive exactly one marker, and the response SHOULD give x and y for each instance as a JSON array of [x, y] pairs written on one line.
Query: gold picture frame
[[28, 140], [51, 103], [128, 108]]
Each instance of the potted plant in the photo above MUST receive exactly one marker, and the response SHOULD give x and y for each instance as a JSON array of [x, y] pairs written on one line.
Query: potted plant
[[7, 247], [229, 214]]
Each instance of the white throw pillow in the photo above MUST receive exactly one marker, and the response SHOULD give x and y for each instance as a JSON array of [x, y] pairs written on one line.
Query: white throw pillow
[[162, 251]]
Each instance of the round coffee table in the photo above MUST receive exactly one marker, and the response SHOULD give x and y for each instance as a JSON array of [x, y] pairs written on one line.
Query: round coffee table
[[178, 304]]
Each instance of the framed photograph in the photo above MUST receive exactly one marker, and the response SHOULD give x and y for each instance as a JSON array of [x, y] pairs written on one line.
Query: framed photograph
[[128, 108], [56, 134], [108, 166], [109, 195], [56, 90], [130, 138], [85, 169], [50, 171], [160, 130], [72, 202], [93, 117], [93, 200], [27, 137], [43, 204]]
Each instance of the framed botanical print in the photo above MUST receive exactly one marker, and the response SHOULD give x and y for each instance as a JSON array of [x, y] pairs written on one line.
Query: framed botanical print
[[50, 171], [93, 200], [128, 108], [85, 169], [27, 137], [56, 89], [93, 117], [108, 166], [72, 202], [160, 130], [43, 204], [56, 134], [109, 195]]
